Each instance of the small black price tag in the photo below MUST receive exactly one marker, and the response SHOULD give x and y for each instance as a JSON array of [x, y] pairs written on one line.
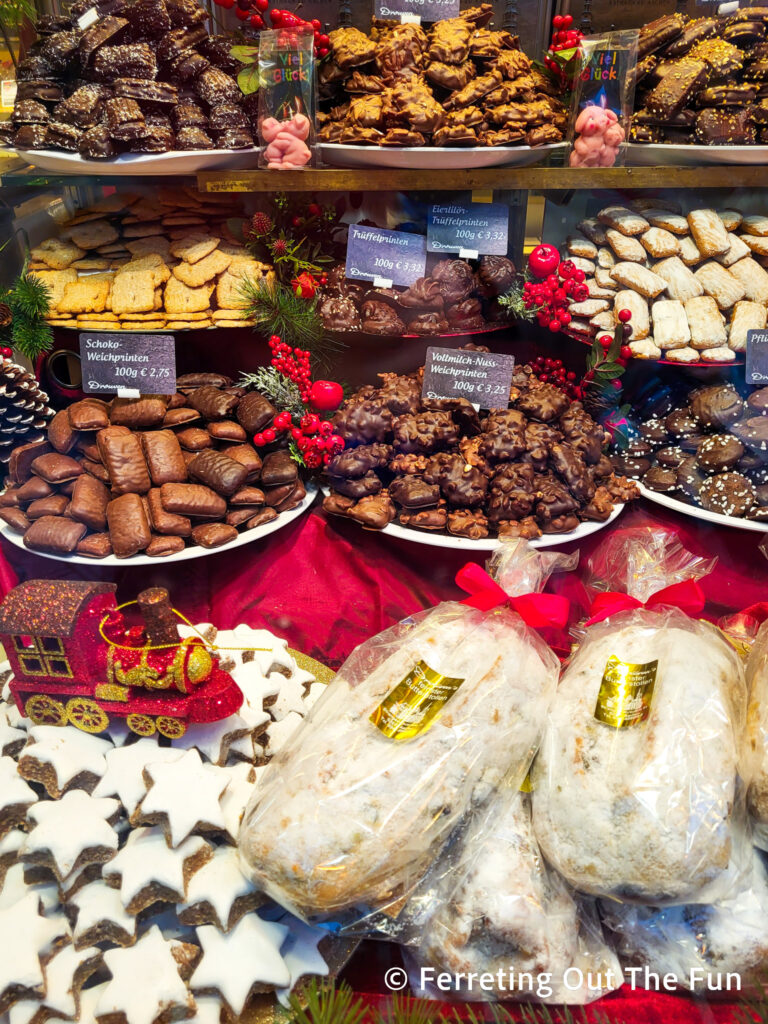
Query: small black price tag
[[757, 358], [417, 10], [378, 255], [483, 378], [470, 229], [141, 362]]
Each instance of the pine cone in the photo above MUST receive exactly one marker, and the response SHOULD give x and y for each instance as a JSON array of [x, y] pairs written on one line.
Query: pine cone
[[24, 409], [6, 316]]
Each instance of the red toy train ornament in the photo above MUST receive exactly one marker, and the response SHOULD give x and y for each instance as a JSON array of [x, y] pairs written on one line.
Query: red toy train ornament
[[76, 661]]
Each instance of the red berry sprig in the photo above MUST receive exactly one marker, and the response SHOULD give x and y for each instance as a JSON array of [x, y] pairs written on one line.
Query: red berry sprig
[[293, 363], [259, 16], [551, 296], [562, 57], [552, 371]]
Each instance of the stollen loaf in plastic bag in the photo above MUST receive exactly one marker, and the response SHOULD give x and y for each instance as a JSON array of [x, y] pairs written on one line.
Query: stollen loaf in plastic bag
[[636, 788], [699, 945], [421, 723], [757, 732], [491, 907]]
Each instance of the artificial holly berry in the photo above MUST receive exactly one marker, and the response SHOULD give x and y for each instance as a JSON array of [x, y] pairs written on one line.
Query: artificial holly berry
[[326, 395], [258, 440], [626, 352], [283, 420], [616, 385], [241, 14], [625, 315], [314, 209], [257, 21], [309, 423]]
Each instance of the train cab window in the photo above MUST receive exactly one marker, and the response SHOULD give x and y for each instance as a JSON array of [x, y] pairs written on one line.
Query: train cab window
[[51, 645], [31, 665], [25, 643], [58, 667]]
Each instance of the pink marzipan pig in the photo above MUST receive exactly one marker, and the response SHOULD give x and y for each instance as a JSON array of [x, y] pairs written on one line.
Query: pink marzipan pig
[[286, 142], [598, 137]]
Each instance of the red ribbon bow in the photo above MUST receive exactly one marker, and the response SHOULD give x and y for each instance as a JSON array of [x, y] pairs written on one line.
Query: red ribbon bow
[[688, 596], [537, 610]]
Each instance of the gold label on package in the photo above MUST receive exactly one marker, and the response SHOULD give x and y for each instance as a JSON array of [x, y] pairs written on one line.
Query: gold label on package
[[414, 704], [626, 692]]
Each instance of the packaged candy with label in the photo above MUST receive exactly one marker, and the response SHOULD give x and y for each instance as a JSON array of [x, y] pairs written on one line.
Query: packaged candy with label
[[639, 783], [420, 725], [286, 98]]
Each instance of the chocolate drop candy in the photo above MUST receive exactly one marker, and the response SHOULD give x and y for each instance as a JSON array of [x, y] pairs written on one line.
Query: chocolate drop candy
[[124, 461], [88, 503], [192, 500], [162, 521], [218, 471], [54, 535], [128, 525], [95, 545], [55, 468], [213, 535], [164, 457]]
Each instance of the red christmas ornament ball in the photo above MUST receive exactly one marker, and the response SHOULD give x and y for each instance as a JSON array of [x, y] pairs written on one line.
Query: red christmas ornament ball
[[326, 395]]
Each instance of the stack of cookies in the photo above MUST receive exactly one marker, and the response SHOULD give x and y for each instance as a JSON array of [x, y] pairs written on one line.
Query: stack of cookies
[[458, 84], [145, 78], [710, 451], [138, 263], [694, 283], [703, 80], [150, 475]]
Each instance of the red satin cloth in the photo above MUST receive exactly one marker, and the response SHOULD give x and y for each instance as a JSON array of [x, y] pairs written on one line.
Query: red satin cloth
[[327, 585]]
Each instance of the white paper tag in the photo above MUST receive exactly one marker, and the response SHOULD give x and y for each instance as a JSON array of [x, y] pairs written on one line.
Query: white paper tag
[[128, 393], [87, 19], [7, 93], [728, 8], [469, 254], [382, 282], [406, 18]]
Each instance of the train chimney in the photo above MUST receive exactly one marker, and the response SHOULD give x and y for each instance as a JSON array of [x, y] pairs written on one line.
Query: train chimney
[[159, 620]]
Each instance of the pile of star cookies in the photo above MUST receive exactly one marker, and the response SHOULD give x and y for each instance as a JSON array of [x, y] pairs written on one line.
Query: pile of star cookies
[[146, 263], [121, 895], [695, 283]]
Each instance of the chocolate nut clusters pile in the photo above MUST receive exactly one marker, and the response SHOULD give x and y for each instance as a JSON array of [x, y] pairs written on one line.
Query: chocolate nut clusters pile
[[146, 78], [458, 84], [535, 467], [711, 452], [454, 298], [150, 475], [703, 80]]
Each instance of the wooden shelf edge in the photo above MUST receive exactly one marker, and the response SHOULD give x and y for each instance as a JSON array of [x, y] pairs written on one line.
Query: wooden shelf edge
[[537, 178]]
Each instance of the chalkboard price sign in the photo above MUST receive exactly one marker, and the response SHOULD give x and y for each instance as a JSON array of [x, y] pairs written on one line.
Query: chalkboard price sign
[[140, 362]]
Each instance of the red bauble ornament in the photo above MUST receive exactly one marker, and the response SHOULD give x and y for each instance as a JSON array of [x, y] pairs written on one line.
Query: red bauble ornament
[[257, 21], [544, 260], [326, 395], [241, 14]]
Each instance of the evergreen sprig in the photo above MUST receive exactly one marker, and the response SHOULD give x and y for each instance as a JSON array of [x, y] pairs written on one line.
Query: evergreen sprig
[[29, 301], [275, 386], [276, 309], [325, 1003]]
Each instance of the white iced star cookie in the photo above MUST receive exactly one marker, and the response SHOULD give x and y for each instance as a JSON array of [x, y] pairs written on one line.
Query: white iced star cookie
[[146, 986], [63, 758], [147, 869], [10, 845], [15, 796], [215, 739], [241, 779], [27, 939], [15, 888], [124, 777], [65, 975], [241, 961], [71, 833], [12, 738], [301, 954], [219, 893], [182, 797], [278, 733], [101, 917]]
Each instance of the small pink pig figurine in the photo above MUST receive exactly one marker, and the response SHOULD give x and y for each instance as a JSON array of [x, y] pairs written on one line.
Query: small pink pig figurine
[[598, 137], [286, 147]]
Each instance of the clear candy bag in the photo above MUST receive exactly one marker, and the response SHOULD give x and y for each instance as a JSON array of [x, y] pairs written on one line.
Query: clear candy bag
[[637, 783], [491, 907], [286, 98], [420, 725], [701, 946]]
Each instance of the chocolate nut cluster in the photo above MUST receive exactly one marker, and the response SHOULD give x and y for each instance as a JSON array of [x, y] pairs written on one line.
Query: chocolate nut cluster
[[703, 80], [535, 467], [453, 299], [459, 84], [711, 452], [145, 78], [150, 475]]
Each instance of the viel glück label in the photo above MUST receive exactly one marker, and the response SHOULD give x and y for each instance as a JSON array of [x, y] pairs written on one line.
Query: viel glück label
[[117, 362], [626, 693], [414, 704], [385, 257], [469, 229]]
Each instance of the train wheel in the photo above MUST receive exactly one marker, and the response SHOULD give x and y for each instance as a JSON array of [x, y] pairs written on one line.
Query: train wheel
[[86, 715], [44, 710], [171, 728], [142, 725]]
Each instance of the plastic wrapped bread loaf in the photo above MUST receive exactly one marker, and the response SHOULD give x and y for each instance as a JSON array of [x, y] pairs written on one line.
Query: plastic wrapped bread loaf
[[698, 943], [636, 787], [497, 909], [757, 733], [351, 814]]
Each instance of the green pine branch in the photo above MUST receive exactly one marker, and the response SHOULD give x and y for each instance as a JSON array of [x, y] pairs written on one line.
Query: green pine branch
[[29, 302], [275, 386]]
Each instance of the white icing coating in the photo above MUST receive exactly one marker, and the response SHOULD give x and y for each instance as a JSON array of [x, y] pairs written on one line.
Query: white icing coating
[[214, 739], [280, 732], [240, 779], [89, 999], [300, 953], [245, 749], [25, 936], [208, 1010], [69, 826], [315, 691], [187, 792], [69, 751], [14, 888], [12, 842], [147, 858], [234, 962], [219, 882], [22, 1012], [13, 789], [125, 766], [290, 696], [59, 996], [145, 981], [98, 903], [9, 734]]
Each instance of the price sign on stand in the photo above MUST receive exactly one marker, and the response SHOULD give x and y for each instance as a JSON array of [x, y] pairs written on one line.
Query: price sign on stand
[[757, 358], [417, 10], [483, 378], [118, 363], [470, 229], [385, 257]]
